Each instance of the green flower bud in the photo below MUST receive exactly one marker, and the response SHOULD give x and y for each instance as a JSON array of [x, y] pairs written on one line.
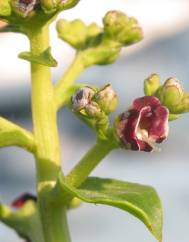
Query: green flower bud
[[24, 8], [93, 31], [75, 32], [107, 99], [66, 4], [121, 28], [49, 5], [183, 106], [5, 8], [151, 85], [171, 93]]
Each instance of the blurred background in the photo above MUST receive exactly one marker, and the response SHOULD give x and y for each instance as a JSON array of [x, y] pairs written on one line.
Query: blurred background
[[164, 50]]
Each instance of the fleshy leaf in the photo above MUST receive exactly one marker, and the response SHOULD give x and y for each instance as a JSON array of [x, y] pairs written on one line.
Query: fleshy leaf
[[44, 58], [140, 200]]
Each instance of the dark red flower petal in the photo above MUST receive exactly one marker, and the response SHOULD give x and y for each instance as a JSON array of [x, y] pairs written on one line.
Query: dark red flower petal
[[146, 101], [143, 125]]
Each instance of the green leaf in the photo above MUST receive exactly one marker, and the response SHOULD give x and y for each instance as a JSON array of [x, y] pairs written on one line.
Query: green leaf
[[45, 58], [139, 200]]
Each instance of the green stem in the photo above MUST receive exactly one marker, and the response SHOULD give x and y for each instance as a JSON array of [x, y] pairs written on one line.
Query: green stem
[[53, 216], [67, 80], [88, 163]]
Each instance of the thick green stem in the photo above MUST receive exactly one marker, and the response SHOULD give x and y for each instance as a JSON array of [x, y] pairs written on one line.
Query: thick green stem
[[53, 216], [67, 80], [87, 164]]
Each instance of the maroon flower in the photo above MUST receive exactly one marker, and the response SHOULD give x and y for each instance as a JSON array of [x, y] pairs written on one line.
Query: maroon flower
[[143, 125], [21, 200]]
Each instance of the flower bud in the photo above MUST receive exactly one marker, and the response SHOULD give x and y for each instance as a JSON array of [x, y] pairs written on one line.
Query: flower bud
[[143, 125], [93, 110], [171, 93], [121, 28], [24, 8], [66, 4], [21, 200], [107, 99], [49, 5], [151, 85], [5, 8], [81, 98], [75, 32]]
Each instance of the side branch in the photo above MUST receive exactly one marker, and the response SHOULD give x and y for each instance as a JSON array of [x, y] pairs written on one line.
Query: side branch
[[13, 135], [64, 85], [82, 170]]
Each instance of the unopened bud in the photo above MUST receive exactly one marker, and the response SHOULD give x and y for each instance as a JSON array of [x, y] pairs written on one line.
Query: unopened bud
[[93, 30], [171, 93], [93, 110], [5, 8], [121, 28], [75, 32], [66, 4], [21, 200], [49, 5], [183, 106], [81, 98], [24, 8], [107, 99], [151, 85]]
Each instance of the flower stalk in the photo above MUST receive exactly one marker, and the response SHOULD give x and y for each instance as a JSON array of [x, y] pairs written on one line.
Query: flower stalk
[[53, 218]]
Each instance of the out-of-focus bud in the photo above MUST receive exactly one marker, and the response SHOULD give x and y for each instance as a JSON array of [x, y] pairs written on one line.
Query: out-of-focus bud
[[93, 30], [151, 85], [49, 5], [171, 93], [107, 99], [93, 110], [119, 27], [183, 106], [66, 4], [24, 8], [82, 98], [75, 32], [143, 125], [21, 200], [5, 8]]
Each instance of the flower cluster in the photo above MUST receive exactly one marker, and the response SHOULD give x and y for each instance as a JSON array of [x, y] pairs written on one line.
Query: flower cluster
[[10, 10], [94, 103]]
